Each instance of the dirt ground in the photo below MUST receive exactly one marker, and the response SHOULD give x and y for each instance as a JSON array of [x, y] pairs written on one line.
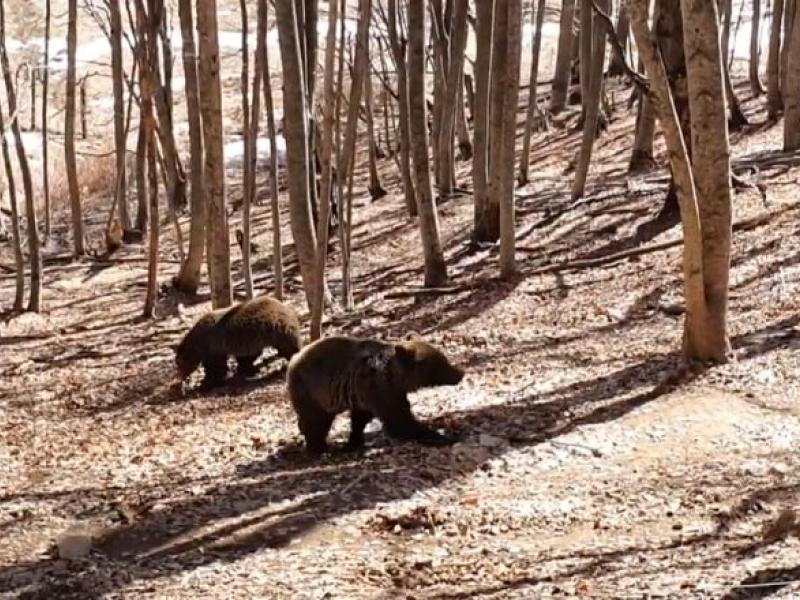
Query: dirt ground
[[593, 463]]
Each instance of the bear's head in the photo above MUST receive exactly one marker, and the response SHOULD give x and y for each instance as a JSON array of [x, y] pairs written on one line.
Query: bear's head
[[423, 365]]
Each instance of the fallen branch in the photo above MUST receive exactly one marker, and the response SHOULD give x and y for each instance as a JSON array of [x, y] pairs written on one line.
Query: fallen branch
[[432, 291]]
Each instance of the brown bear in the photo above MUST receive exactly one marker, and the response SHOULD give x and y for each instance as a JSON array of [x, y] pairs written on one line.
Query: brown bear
[[242, 331], [369, 378]]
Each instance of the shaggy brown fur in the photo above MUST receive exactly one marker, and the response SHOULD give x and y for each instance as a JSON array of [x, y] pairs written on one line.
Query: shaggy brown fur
[[368, 378], [242, 331]]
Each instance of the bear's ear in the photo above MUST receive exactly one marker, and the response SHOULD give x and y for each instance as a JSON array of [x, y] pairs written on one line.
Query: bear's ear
[[405, 355], [411, 335]]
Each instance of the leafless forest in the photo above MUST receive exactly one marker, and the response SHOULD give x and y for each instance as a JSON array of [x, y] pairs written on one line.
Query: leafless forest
[[591, 207]]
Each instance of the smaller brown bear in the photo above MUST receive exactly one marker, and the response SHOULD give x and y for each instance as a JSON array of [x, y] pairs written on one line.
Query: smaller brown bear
[[368, 378], [242, 331]]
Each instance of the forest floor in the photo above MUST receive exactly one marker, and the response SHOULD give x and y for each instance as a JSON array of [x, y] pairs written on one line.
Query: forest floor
[[593, 463]]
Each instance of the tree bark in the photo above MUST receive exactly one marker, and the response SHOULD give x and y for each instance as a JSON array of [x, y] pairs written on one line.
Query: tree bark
[[774, 99], [737, 118], [326, 151], [152, 254], [755, 50], [616, 67], [435, 269], [120, 137], [376, 190], [249, 148], [297, 151], [486, 218], [45, 106], [462, 127], [561, 77], [707, 338], [455, 71], [593, 50], [70, 162], [789, 8], [530, 116], [399, 55], [277, 248], [791, 124], [211, 109], [34, 252], [19, 262], [188, 278], [513, 38], [497, 93]]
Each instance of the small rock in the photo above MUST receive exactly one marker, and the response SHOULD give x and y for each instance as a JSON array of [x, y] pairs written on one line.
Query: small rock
[[490, 441]]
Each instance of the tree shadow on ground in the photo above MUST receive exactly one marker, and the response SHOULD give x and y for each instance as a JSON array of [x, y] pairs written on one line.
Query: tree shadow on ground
[[282, 497]]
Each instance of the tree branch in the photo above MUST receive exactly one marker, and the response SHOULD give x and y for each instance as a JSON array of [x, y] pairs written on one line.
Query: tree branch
[[616, 45]]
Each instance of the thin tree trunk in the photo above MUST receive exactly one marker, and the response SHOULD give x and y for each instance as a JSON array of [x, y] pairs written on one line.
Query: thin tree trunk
[[755, 50], [561, 77], [34, 252], [277, 248], [789, 7], [435, 269], [774, 99], [248, 141], [326, 150], [737, 118], [530, 116], [211, 108], [486, 218], [152, 253], [45, 106], [297, 150], [642, 155], [188, 279], [791, 131], [141, 175], [399, 54], [462, 128], [497, 110], [616, 67], [19, 262], [511, 99], [70, 162], [376, 190], [455, 72], [117, 74], [593, 50]]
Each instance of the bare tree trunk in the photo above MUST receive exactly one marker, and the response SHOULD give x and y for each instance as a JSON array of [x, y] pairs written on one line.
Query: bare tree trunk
[[248, 141], [486, 219], [737, 118], [789, 7], [141, 176], [45, 106], [211, 108], [707, 338], [558, 99], [376, 190], [399, 55], [277, 249], [70, 163], [34, 255], [755, 50], [462, 128], [774, 99], [455, 72], [326, 151], [642, 155], [497, 109], [593, 50], [19, 262], [435, 269], [117, 73], [297, 151], [616, 67], [188, 278], [530, 116], [511, 99], [152, 253], [791, 95]]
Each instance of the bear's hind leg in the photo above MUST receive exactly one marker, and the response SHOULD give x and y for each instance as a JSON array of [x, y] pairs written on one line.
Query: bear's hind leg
[[216, 369], [245, 366], [314, 423], [358, 421]]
